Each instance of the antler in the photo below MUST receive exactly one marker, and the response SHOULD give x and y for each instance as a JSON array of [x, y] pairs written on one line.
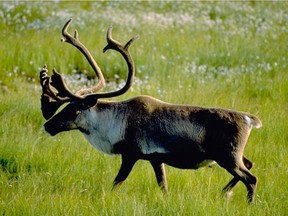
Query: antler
[[51, 100], [123, 50], [75, 42]]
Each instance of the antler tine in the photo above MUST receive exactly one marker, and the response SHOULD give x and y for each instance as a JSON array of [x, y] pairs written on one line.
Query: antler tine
[[45, 83], [127, 45], [113, 44], [59, 84], [75, 42], [50, 101]]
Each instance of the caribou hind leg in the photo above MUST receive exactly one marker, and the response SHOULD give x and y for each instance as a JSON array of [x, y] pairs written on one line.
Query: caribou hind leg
[[241, 173], [248, 164]]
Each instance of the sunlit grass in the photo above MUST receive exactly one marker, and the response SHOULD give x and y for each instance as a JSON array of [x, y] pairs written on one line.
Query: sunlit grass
[[230, 55]]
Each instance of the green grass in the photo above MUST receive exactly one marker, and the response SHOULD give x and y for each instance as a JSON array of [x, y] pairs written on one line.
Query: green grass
[[230, 55]]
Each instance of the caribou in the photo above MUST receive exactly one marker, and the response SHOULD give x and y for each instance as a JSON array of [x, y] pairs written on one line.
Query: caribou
[[145, 128]]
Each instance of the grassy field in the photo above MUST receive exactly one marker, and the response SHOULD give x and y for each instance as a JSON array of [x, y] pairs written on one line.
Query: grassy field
[[231, 54]]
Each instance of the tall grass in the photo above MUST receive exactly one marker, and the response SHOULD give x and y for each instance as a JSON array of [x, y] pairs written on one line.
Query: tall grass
[[230, 55]]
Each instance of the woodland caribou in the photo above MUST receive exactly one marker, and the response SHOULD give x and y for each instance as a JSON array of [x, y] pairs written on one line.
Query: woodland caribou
[[143, 127]]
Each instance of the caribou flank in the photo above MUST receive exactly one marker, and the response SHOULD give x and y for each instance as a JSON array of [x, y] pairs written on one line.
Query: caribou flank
[[143, 127]]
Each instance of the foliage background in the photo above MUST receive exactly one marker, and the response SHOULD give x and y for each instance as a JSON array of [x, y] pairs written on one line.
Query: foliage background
[[220, 54]]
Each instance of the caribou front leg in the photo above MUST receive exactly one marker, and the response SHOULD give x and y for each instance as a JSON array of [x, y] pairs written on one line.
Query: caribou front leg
[[125, 169]]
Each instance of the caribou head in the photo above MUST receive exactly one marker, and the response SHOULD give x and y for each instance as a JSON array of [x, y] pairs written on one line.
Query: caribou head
[[55, 92]]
